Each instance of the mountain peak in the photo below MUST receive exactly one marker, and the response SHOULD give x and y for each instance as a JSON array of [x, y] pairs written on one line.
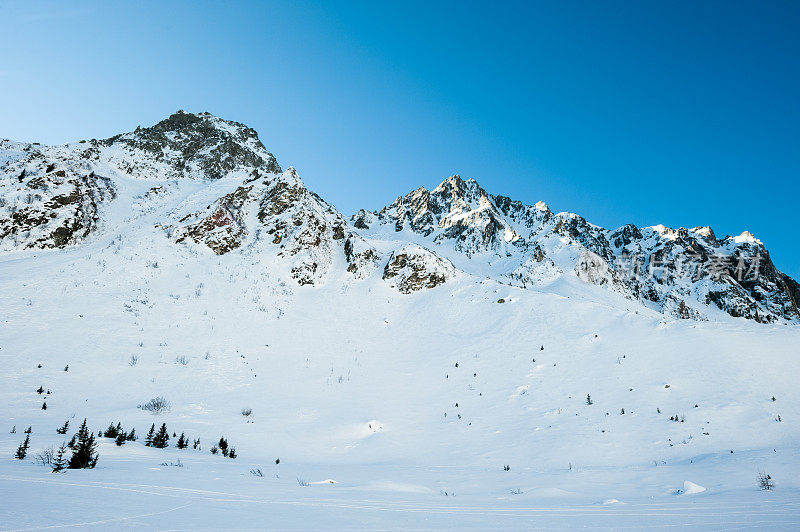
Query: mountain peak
[[191, 145]]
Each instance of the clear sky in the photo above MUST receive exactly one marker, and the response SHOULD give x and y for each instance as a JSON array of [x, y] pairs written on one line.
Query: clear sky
[[681, 113]]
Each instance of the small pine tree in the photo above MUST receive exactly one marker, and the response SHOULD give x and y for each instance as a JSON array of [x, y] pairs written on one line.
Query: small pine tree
[[589, 399], [22, 450], [161, 439], [28, 430], [214, 449], [183, 442], [44, 405], [84, 454], [622, 412], [40, 391], [223, 446], [131, 435], [66, 368], [148, 441], [121, 439], [196, 444], [111, 431], [232, 452], [64, 428], [60, 461], [14, 429], [72, 442]]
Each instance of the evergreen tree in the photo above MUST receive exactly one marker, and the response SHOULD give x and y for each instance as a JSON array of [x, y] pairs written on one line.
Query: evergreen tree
[[111, 431], [120, 438], [589, 399], [72, 442], [22, 450], [84, 454], [64, 428], [223, 446], [132, 435], [161, 439], [14, 429], [232, 453], [196, 443], [40, 391], [214, 449], [183, 442], [28, 430], [60, 461], [44, 405], [148, 441]]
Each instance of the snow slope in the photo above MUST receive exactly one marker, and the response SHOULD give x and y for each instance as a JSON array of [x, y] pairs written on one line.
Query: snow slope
[[402, 371]]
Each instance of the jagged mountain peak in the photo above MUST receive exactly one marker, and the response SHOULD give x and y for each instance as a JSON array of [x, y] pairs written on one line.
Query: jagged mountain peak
[[679, 271]]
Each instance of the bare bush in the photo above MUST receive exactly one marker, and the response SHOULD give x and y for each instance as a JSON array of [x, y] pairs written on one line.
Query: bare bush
[[156, 405], [247, 411], [301, 481], [133, 360], [183, 360], [45, 457], [765, 481], [256, 472]]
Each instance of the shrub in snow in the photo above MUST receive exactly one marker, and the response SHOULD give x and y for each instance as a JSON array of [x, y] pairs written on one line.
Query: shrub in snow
[[183, 360], [156, 405], [247, 412], [765, 481], [133, 360], [301, 481], [256, 473], [45, 457]]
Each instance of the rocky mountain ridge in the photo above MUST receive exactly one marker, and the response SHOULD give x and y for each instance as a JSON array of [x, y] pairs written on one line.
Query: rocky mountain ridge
[[211, 184]]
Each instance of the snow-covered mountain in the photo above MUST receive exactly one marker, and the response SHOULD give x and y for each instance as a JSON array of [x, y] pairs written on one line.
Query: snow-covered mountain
[[56, 196], [456, 360], [678, 271]]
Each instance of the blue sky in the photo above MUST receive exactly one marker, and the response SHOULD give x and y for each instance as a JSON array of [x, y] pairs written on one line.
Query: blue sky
[[681, 113]]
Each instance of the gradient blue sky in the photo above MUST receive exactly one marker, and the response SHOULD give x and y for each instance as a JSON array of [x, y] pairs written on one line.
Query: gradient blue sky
[[681, 113]]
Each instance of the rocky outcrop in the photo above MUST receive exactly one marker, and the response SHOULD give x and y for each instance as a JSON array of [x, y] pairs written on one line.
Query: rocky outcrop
[[47, 201], [414, 268]]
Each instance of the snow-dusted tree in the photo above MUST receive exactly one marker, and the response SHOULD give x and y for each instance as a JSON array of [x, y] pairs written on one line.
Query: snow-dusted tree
[[183, 442], [131, 435], [63, 428], [589, 399], [121, 438], [148, 441]]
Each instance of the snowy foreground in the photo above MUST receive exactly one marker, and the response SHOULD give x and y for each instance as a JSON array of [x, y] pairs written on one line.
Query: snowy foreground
[[351, 382]]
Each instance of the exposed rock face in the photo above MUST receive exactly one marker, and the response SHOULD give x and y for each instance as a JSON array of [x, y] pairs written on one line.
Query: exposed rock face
[[679, 271], [279, 212], [198, 146], [414, 268], [48, 201]]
